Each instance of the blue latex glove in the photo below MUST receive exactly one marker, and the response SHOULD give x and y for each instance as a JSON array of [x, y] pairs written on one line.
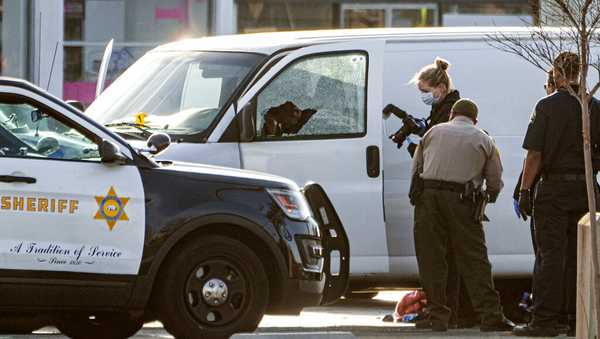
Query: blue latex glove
[[516, 208]]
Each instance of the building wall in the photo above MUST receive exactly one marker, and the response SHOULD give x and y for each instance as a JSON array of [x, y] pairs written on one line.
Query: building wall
[[14, 28], [136, 27], [31, 29], [45, 48], [280, 15]]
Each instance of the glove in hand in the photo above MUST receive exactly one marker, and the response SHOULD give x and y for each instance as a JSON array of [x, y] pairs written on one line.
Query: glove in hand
[[525, 204], [388, 109], [516, 208]]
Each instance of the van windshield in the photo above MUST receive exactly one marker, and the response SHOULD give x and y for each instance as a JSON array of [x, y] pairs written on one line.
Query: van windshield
[[179, 93]]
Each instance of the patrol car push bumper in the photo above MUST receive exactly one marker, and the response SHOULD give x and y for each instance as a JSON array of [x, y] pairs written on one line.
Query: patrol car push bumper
[[336, 248]]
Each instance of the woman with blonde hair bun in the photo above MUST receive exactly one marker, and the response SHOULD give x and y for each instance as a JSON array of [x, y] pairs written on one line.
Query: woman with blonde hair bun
[[437, 90]]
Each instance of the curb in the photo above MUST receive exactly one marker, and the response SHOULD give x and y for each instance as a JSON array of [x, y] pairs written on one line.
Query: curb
[[296, 335]]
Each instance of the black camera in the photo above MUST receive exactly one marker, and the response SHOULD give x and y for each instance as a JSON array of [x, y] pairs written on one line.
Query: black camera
[[410, 124]]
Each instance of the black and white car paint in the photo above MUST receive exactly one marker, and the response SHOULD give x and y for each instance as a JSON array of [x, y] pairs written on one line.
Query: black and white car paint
[[98, 247]]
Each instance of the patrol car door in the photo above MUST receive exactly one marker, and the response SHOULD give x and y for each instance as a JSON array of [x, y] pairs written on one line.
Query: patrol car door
[[332, 95], [63, 212]]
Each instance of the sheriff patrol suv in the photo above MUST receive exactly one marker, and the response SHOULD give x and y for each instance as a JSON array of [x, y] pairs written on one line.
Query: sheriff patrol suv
[[97, 238]]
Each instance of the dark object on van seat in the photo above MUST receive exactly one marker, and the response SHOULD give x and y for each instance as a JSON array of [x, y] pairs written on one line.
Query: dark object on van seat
[[286, 118]]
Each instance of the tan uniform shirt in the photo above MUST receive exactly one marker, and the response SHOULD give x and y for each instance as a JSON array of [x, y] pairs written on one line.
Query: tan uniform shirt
[[458, 151]]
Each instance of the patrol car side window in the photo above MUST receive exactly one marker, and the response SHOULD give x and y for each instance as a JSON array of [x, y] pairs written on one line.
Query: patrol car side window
[[319, 96], [30, 132]]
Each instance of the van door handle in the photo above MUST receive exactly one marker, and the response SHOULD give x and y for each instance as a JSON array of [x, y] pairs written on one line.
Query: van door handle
[[373, 167], [12, 179]]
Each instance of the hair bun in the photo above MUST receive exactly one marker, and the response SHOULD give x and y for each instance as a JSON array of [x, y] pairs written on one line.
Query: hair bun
[[442, 64]]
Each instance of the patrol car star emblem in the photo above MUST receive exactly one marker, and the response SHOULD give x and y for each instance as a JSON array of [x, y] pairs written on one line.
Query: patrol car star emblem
[[111, 208]]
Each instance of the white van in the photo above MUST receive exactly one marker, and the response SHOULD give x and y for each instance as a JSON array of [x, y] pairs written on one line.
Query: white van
[[211, 96]]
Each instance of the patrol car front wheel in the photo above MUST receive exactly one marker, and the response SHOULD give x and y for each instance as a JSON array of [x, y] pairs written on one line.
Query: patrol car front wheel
[[213, 287]]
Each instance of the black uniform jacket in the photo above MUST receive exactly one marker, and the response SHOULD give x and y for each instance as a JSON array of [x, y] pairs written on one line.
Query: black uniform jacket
[[440, 112], [555, 130]]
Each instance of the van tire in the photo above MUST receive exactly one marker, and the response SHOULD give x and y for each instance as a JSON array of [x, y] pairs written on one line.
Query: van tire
[[105, 325], [193, 280], [360, 295]]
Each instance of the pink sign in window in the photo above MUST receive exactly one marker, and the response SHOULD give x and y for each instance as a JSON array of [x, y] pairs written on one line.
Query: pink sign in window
[[175, 13], [84, 91]]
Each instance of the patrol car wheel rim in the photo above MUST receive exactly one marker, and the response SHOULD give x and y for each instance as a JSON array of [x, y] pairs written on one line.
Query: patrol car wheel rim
[[215, 292]]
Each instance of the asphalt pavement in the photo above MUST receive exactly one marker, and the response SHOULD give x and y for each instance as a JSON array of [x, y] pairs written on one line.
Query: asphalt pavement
[[362, 318]]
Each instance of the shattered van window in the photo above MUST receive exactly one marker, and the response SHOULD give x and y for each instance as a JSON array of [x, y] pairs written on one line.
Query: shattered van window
[[332, 84]]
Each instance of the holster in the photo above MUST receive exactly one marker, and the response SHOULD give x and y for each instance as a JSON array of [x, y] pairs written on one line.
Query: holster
[[416, 189], [479, 198], [481, 201]]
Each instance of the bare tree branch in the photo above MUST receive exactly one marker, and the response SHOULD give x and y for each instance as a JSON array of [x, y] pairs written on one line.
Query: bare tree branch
[[595, 89], [566, 11]]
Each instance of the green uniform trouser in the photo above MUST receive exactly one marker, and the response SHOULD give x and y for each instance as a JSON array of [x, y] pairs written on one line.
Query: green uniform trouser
[[441, 218]]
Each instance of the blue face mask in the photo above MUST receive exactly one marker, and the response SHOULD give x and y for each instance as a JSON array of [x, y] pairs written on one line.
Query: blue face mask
[[428, 98]]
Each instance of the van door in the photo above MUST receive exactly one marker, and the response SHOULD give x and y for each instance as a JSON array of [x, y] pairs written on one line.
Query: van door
[[317, 117]]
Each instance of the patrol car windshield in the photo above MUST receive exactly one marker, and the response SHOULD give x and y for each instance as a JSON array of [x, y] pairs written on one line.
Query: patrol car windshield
[[179, 93]]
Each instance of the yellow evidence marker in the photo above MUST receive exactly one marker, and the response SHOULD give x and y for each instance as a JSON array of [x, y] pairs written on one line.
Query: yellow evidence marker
[[140, 118]]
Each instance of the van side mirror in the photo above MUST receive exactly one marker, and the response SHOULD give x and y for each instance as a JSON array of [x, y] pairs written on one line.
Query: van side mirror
[[110, 153], [246, 122], [158, 142], [77, 104]]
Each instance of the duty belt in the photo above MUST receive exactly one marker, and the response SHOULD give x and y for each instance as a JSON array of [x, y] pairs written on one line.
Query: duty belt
[[564, 177], [444, 185]]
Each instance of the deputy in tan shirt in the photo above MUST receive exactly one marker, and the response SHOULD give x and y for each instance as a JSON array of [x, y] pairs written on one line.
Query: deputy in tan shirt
[[459, 152], [450, 155]]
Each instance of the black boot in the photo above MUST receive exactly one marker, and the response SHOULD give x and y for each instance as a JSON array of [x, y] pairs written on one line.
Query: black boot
[[535, 331], [500, 325], [428, 324]]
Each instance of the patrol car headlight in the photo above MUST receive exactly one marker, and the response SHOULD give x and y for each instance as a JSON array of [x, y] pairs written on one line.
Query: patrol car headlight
[[292, 203]]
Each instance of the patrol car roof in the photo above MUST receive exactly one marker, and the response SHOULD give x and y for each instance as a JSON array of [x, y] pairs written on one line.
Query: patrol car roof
[[268, 43]]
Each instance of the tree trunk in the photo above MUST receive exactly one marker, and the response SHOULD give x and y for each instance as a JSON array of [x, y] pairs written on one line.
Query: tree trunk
[[591, 194]]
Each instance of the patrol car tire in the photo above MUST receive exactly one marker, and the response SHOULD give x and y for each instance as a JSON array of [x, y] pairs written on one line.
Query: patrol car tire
[[19, 325], [178, 306], [110, 325]]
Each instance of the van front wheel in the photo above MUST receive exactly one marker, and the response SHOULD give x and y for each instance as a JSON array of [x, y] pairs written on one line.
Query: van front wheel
[[213, 287]]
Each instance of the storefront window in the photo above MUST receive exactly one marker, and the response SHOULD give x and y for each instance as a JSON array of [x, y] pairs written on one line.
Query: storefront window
[[364, 18], [421, 17], [284, 15], [277, 15], [363, 15], [136, 26], [13, 38], [493, 13]]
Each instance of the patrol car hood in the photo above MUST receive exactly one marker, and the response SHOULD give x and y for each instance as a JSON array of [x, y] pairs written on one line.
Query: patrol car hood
[[229, 174]]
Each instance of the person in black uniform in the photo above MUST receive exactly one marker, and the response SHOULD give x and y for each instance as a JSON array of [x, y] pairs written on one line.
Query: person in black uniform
[[550, 88], [437, 90], [555, 150]]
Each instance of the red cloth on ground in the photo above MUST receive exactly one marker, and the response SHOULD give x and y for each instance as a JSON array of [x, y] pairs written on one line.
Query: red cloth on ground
[[412, 302]]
